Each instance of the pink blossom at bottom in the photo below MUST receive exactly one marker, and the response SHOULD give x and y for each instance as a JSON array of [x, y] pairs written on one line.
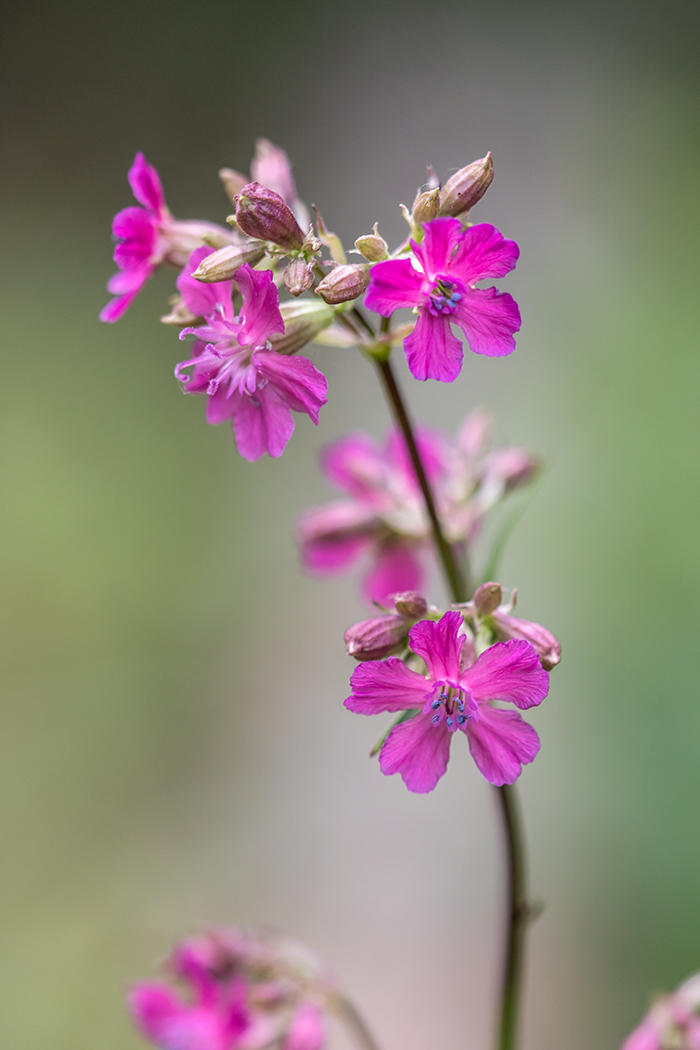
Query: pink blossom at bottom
[[672, 1023]]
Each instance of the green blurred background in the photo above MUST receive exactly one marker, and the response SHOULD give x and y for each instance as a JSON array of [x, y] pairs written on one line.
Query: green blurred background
[[173, 746]]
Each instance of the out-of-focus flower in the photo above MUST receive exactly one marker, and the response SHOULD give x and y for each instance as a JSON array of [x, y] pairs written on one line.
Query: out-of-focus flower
[[489, 608], [383, 514], [672, 1023], [383, 635], [149, 236], [233, 363], [456, 694], [441, 288], [247, 990]]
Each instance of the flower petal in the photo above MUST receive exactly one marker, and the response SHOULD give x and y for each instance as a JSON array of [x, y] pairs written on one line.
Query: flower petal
[[154, 1008], [489, 319], [432, 350], [127, 285], [440, 645], [137, 233], [356, 465], [397, 568], [393, 284], [646, 1037], [386, 685], [220, 406], [298, 382], [508, 671], [307, 1030], [146, 186], [435, 450], [262, 423], [260, 311], [501, 743], [483, 252], [440, 239], [418, 750], [202, 299]]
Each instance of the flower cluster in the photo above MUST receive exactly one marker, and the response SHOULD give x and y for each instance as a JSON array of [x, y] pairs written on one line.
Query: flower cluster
[[673, 1022], [452, 672], [383, 517], [247, 990], [242, 362]]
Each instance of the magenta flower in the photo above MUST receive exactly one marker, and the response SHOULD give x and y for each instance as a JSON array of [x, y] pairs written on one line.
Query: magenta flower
[[441, 290], [149, 236], [214, 1018], [456, 694], [383, 514], [672, 1022], [234, 364]]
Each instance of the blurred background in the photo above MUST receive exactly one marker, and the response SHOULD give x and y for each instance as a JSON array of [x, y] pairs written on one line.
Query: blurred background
[[173, 747]]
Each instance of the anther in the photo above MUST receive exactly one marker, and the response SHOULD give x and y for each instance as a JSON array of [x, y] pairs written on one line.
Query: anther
[[435, 719]]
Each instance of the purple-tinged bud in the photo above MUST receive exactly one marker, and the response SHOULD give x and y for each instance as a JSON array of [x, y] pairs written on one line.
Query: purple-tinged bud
[[487, 598], [344, 283], [303, 321], [466, 187], [374, 639], [298, 276], [223, 265], [411, 605], [179, 314], [426, 206], [542, 641], [233, 182], [263, 215], [372, 246]]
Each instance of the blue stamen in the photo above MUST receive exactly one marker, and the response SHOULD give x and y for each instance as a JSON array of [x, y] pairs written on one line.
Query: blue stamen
[[449, 722], [436, 703], [436, 719], [461, 719]]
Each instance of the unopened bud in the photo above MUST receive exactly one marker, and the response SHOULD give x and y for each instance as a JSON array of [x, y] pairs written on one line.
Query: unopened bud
[[542, 641], [411, 605], [344, 283], [426, 206], [372, 246], [487, 598], [466, 187], [311, 244], [262, 214], [377, 638], [303, 321], [222, 265], [233, 182], [298, 276]]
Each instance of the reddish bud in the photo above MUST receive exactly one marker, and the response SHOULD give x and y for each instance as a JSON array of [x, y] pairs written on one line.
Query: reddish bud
[[542, 641], [410, 605], [262, 214], [298, 276], [487, 598], [466, 187], [374, 639], [344, 283]]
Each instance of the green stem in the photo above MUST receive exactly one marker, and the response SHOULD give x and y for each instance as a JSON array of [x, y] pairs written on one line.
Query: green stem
[[518, 908]]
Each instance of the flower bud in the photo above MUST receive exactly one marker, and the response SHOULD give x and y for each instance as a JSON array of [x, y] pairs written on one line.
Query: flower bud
[[303, 321], [487, 598], [511, 467], [262, 214], [223, 265], [233, 182], [426, 206], [372, 246], [542, 641], [179, 314], [410, 605], [298, 276], [344, 283], [374, 639], [466, 187]]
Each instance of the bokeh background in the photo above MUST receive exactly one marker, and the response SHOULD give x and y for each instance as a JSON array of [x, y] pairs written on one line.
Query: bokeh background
[[173, 747]]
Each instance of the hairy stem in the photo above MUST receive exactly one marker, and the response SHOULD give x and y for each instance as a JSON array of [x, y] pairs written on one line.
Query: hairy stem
[[518, 908]]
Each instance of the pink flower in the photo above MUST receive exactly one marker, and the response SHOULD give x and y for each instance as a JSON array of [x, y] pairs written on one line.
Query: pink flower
[[307, 1030], [672, 1022], [149, 236], [383, 514], [234, 364], [455, 695], [441, 289]]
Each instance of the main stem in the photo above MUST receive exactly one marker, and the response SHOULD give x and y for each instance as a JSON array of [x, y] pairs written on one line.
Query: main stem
[[518, 909]]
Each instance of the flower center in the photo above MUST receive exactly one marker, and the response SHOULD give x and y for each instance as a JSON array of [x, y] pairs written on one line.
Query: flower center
[[456, 706], [445, 296]]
